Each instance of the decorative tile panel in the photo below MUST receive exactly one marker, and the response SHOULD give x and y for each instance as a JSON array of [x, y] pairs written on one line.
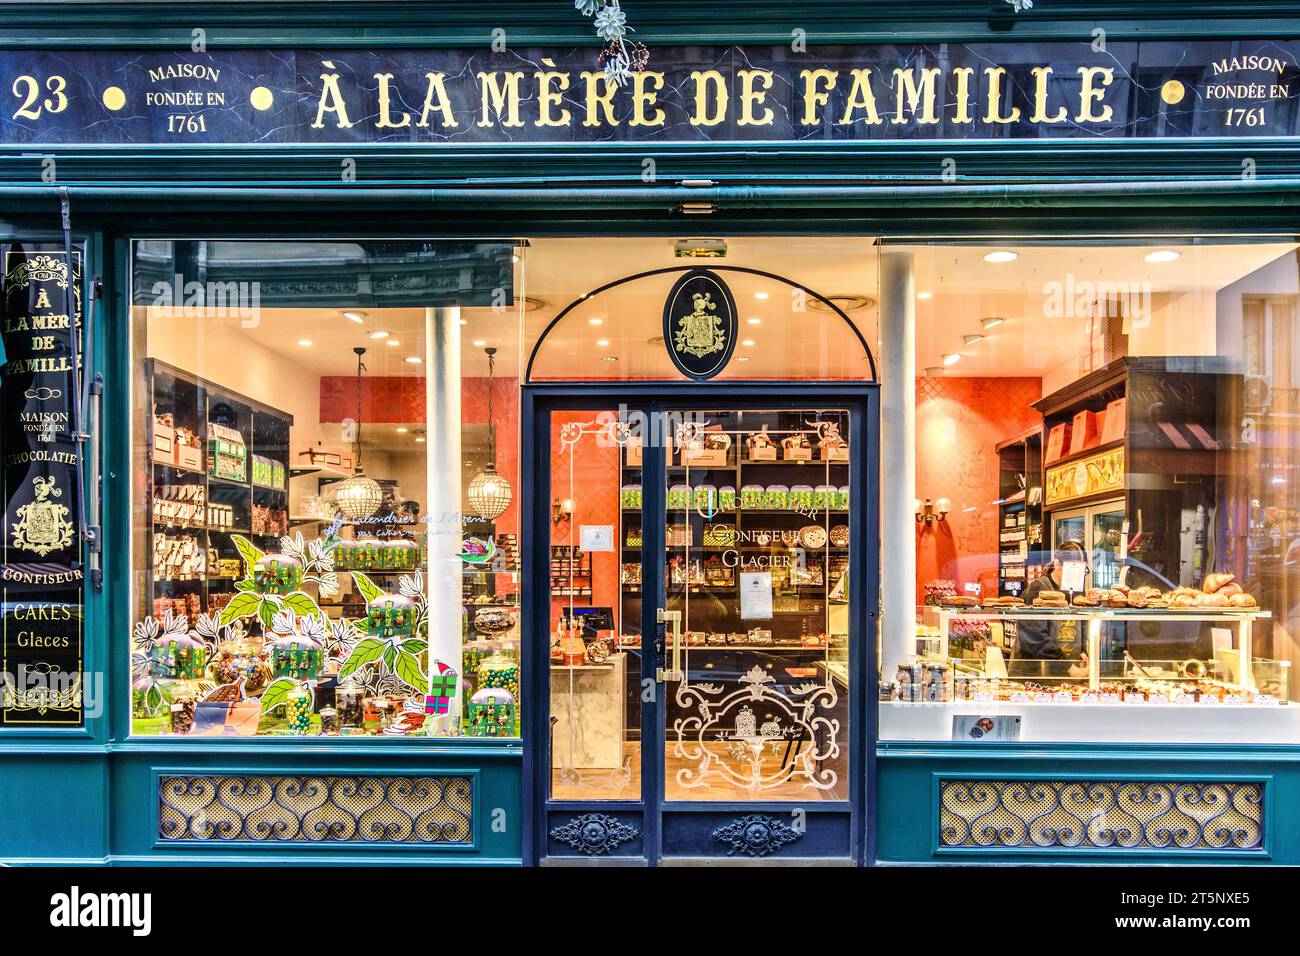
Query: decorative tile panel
[[266, 808], [1101, 814]]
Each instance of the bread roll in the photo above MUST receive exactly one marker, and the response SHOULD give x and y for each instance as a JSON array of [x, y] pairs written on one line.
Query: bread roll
[[1216, 580]]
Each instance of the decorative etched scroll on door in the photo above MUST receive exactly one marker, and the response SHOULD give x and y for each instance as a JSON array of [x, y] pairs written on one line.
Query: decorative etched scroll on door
[[724, 743]]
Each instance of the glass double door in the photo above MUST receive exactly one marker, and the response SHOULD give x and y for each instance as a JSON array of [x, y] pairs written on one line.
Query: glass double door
[[700, 651]]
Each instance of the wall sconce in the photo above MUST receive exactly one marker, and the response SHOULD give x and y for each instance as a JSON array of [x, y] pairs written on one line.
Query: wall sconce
[[930, 512], [561, 511]]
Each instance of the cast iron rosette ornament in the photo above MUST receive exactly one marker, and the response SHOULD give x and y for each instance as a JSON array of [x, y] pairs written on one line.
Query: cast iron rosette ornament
[[594, 834], [755, 834]]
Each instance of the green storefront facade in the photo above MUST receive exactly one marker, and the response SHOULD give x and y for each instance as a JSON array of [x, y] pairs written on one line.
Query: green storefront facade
[[90, 792]]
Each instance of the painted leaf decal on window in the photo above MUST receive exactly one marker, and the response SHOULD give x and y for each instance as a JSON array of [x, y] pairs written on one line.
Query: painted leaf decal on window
[[250, 552], [241, 605], [368, 588], [408, 669], [365, 652]]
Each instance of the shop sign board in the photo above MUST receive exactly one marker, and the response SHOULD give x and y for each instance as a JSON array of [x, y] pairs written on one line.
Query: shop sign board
[[41, 569], [696, 94], [700, 324], [1097, 474]]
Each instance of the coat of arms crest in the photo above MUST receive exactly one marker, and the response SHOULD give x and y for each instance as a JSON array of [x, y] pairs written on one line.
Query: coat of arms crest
[[43, 526], [700, 333]]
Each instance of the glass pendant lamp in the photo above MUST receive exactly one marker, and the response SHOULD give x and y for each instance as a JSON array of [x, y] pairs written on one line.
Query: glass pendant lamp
[[358, 497], [490, 493]]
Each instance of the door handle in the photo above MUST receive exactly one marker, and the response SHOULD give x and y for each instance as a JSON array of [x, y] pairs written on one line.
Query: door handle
[[674, 672]]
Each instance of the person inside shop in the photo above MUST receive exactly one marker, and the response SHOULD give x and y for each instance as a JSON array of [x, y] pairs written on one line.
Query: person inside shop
[[1052, 648]]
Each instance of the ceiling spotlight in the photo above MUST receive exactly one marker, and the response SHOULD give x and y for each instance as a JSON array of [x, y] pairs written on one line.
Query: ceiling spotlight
[[747, 342], [597, 320], [972, 339], [379, 334], [357, 317], [609, 358], [419, 439], [305, 343], [1164, 255], [951, 358], [992, 322], [414, 359], [742, 358], [392, 343], [602, 342], [760, 295], [1002, 255], [479, 343], [933, 371], [754, 320], [401, 429], [925, 295]]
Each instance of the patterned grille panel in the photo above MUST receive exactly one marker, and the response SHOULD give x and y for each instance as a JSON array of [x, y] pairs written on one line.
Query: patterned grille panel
[[1112, 814], [315, 809]]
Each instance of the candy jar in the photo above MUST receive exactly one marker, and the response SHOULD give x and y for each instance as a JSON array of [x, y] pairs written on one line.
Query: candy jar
[[752, 497], [500, 671], [329, 722], [492, 713], [842, 498], [178, 657], [679, 497], [630, 497], [350, 706], [277, 574], [182, 714], [704, 498], [299, 710], [391, 615], [297, 656], [803, 497], [824, 496], [726, 498], [776, 498], [408, 555]]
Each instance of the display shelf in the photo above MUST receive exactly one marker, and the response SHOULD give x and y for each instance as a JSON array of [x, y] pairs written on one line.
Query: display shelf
[[193, 404]]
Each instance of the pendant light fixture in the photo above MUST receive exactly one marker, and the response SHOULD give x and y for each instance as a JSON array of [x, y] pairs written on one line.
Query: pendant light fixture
[[358, 497], [489, 493]]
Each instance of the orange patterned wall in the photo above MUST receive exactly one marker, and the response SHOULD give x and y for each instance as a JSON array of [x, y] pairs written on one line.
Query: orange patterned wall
[[958, 423]]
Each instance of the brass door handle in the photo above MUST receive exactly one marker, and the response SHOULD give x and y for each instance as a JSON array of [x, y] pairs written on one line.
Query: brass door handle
[[664, 616]]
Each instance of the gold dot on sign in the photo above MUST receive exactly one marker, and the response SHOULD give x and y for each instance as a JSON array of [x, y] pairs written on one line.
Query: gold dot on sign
[[114, 98], [1172, 92], [261, 98]]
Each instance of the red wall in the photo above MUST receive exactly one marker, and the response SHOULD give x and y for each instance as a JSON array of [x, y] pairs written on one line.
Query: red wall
[[387, 400], [958, 423]]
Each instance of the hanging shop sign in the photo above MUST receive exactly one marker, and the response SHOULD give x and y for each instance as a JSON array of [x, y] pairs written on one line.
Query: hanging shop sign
[[1095, 475], [41, 572], [695, 94], [700, 324]]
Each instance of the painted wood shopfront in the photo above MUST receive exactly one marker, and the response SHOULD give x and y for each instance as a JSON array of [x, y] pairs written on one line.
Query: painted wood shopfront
[[420, 448]]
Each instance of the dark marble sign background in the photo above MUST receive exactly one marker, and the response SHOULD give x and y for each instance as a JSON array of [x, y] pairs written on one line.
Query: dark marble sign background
[[1156, 89]]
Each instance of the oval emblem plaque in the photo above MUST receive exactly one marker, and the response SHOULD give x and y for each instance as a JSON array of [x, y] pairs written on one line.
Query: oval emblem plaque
[[700, 324]]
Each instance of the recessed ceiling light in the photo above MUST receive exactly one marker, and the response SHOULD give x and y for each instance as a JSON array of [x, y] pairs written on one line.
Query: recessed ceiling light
[[464, 321], [992, 322], [925, 295], [379, 334], [357, 317], [609, 358], [747, 342], [305, 343], [596, 321], [760, 295], [754, 320], [1164, 255], [952, 358], [392, 343], [742, 358], [419, 440], [602, 342], [972, 339], [933, 371], [479, 343], [1002, 255], [401, 429], [414, 359]]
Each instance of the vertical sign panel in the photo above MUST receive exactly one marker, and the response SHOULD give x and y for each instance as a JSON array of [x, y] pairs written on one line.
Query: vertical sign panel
[[41, 570]]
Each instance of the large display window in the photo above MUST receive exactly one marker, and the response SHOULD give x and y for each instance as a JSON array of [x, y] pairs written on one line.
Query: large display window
[[1106, 493], [324, 449]]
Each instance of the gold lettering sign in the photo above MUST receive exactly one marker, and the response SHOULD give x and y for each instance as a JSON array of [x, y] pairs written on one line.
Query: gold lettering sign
[[1095, 475]]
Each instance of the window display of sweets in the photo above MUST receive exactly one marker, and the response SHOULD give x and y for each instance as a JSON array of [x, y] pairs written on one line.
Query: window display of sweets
[[727, 498], [391, 615], [630, 497], [296, 655], [277, 574], [377, 554], [349, 699], [180, 657], [227, 453], [492, 713], [679, 497], [241, 659]]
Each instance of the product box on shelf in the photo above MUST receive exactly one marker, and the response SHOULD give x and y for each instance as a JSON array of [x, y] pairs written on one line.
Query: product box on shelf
[[164, 442], [1115, 421], [634, 451], [1084, 432], [760, 446], [189, 450], [1057, 441], [227, 453], [796, 448]]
